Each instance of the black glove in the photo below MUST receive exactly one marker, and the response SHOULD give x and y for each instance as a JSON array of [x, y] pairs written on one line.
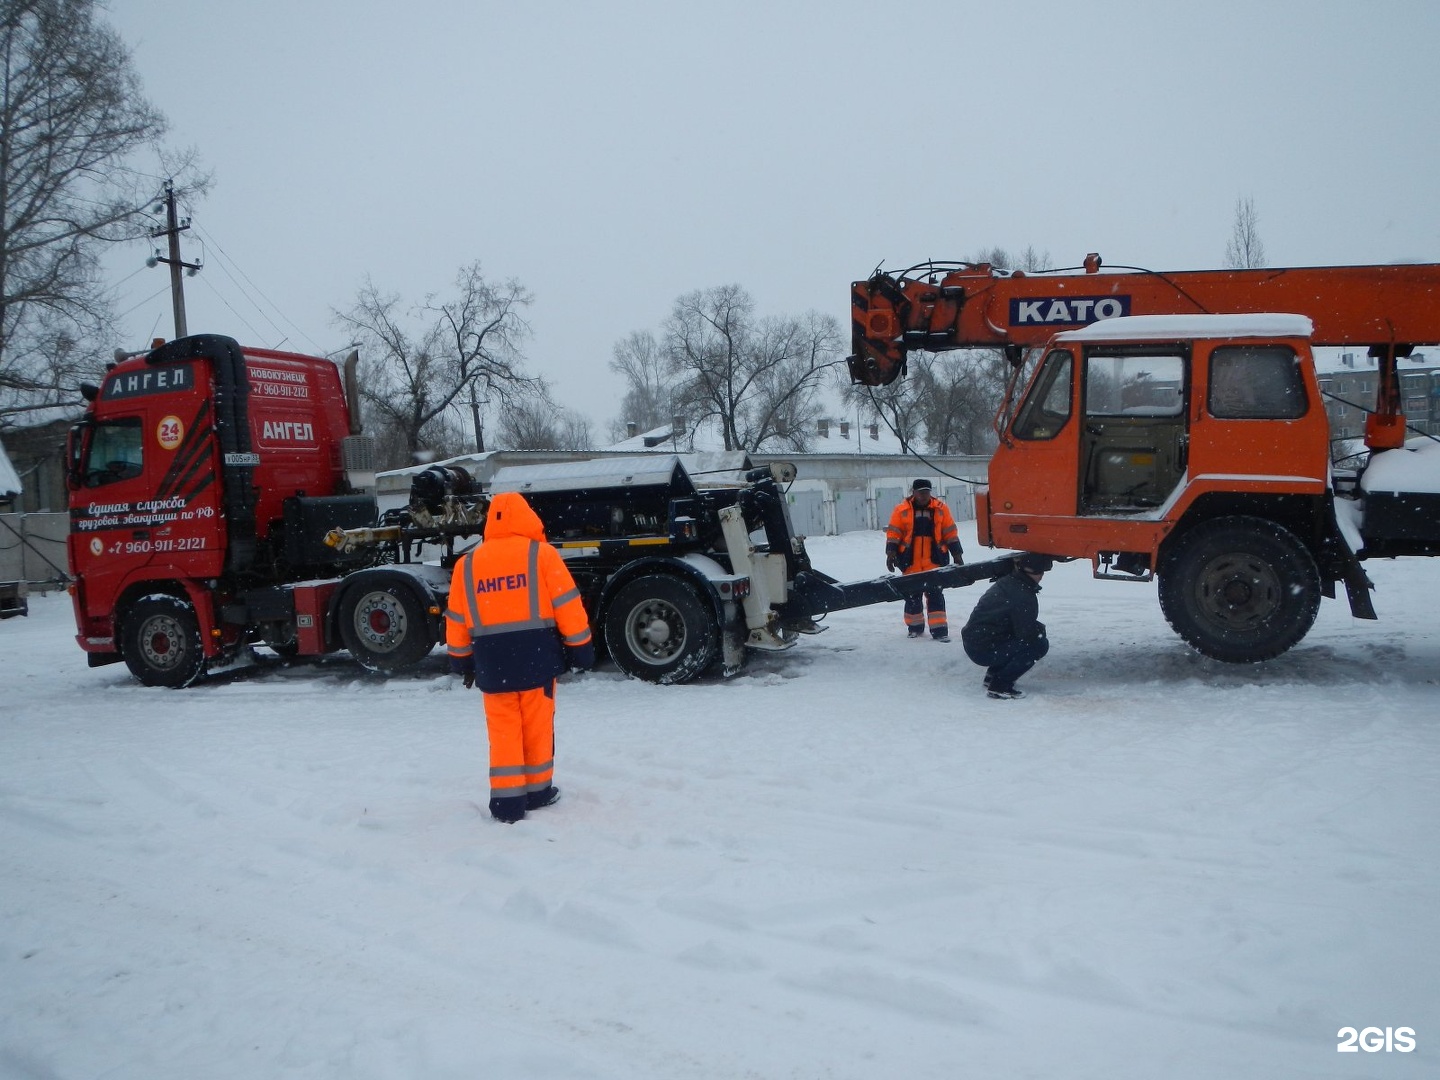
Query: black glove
[[958, 553], [580, 657], [890, 561], [464, 666]]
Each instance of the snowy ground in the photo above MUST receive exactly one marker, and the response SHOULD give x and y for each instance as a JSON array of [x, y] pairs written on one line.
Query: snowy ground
[[845, 862]]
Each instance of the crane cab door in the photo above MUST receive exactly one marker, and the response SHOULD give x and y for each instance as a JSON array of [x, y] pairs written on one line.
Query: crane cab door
[[1032, 473], [1260, 413], [1133, 435]]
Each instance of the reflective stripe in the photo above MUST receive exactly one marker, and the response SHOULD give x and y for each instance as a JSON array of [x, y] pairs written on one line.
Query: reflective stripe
[[578, 639], [565, 597], [544, 766], [534, 580], [455, 616], [460, 650], [510, 770], [470, 594], [510, 627]]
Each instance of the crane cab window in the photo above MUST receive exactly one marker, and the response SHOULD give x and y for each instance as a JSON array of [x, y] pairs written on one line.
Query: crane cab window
[[1256, 382], [1047, 406], [116, 452], [1126, 385]]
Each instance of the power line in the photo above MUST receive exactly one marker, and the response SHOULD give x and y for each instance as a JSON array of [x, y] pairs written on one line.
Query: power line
[[226, 256], [258, 336]]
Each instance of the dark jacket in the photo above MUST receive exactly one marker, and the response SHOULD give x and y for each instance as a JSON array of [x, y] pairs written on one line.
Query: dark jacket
[[1008, 611]]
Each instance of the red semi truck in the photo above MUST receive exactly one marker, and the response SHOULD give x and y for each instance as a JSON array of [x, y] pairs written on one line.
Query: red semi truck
[[203, 478]]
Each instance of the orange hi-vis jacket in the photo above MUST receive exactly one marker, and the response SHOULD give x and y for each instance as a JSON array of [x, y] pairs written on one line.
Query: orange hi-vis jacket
[[514, 608], [915, 549]]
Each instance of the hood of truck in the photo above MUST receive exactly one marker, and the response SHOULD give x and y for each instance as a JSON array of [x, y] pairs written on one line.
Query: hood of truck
[[511, 515]]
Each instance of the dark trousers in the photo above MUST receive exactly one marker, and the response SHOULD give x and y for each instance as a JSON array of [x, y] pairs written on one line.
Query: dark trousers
[[1006, 661], [934, 599]]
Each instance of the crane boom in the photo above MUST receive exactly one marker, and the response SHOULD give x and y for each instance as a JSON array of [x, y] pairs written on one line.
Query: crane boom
[[940, 306]]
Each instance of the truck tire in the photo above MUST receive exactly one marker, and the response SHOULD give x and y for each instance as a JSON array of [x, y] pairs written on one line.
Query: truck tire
[[1240, 589], [660, 629], [160, 640], [384, 626]]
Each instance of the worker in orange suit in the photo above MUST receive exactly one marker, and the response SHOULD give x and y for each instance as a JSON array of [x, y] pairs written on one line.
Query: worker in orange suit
[[922, 536], [514, 623]]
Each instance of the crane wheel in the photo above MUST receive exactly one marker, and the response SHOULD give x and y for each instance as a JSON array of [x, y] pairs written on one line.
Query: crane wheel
[[160, 640], [1240, 589], [660, 629]]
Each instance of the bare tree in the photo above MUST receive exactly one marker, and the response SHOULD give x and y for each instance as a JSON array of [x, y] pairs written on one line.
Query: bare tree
[[426, 363], [1245, 250], [1030, 260], [644, 365], [533, 421], [960, 394], [755, 379], [900, 406], [71, 111]]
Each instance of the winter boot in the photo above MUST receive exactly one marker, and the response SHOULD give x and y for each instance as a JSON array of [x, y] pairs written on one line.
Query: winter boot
[[1004, 693], [547, 796], [917, 631], [509, 809]]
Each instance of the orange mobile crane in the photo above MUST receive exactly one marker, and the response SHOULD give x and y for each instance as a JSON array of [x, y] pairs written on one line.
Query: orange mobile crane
[[1171, 426]]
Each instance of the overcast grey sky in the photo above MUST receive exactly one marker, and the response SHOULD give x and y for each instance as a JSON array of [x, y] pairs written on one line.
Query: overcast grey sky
[[615, 155]]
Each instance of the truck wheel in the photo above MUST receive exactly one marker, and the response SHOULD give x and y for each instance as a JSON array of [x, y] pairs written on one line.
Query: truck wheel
[[384, 627], [160, 641], [1240, 589], [658, 628]]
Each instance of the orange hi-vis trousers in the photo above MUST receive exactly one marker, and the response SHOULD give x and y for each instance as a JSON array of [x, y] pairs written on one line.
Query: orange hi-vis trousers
[[521, 725]]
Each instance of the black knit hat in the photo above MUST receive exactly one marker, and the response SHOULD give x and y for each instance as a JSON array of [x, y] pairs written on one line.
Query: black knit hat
[[1034, 563], [920, 484]]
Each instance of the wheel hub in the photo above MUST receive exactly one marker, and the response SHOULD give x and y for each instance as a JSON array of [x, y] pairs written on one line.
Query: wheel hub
[[160, 640], [1239, 591], [380, 622], [657, 631]]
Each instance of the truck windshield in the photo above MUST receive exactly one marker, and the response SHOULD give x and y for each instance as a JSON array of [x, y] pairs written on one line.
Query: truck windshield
[[115, 452], [1047, 406]]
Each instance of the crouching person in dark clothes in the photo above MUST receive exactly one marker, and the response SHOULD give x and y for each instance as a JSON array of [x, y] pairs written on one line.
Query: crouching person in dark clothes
[[1004, 633]]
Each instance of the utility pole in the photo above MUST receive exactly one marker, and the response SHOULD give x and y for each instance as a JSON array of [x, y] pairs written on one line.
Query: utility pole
[[476, 404], [173, 229]]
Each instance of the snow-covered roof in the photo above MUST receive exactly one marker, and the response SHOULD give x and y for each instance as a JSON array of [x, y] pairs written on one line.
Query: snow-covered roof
[[1331, 361], [660, 438], [856, 440], [1181, 327], [607, 472], [9, 479]]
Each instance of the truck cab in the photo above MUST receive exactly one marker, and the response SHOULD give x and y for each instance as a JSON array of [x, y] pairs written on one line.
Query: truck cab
[[1190, 447]]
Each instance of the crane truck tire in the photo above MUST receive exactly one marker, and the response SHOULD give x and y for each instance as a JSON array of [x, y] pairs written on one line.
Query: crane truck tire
[[660, 629], [160, 640], [384, 626], [1240, 589]]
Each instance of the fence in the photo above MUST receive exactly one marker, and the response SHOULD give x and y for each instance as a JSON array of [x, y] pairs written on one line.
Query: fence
[[32, 549]]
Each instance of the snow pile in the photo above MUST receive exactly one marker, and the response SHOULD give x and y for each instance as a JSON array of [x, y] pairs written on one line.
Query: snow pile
[[845, 862], [1415, 467]]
